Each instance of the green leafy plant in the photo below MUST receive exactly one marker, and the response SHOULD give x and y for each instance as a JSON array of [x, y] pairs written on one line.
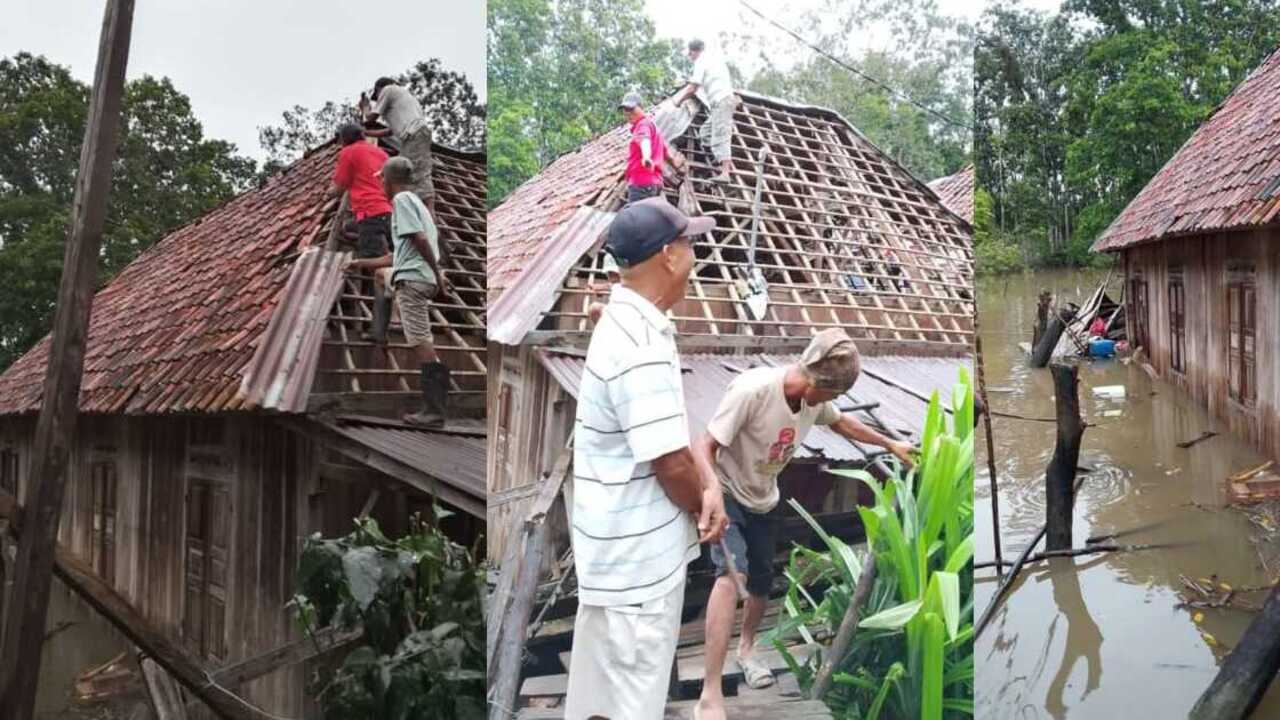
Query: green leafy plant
[[912, 654], [418, 600]]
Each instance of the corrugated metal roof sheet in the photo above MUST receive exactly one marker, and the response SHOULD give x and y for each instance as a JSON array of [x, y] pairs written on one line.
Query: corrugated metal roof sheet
[[956, 192], [454, 458], [1225, 177], [706, 376], [280, 375], [514, 314]]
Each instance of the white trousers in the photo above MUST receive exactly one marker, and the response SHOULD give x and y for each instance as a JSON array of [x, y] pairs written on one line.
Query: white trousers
[[620, 667]]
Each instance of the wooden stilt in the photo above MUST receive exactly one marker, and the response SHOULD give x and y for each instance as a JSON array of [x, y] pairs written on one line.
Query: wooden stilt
[[1248, 670], [991, 452], [1061, 473]]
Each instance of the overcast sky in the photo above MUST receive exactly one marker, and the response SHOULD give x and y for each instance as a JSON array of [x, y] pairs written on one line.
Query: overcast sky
[[242, 62]]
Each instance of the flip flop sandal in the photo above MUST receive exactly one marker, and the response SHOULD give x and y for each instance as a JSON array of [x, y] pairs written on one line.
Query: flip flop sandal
[[757, 674]]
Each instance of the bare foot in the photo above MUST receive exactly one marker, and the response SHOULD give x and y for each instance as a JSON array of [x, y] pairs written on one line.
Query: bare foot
[[710, 709]]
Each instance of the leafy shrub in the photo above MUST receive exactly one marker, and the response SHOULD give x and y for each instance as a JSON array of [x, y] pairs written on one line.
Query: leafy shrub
[[912, 654], [418, 600]]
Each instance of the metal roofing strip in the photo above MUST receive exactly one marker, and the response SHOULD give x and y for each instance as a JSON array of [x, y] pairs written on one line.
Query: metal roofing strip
[[514, 314]]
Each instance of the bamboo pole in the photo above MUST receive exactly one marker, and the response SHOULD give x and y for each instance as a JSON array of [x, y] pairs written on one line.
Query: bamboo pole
[[848, 625], [59, 411]]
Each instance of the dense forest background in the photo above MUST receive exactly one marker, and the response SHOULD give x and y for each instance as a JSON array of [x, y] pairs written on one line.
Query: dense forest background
[[1076, 110], [557, 69], [167, 174]]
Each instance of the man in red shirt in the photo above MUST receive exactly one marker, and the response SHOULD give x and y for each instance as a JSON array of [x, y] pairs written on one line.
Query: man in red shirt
[[358, 165], [646, 152], [357, 175]]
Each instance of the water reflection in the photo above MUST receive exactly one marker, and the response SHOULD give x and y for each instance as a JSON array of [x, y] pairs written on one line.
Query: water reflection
[[1044, 655]]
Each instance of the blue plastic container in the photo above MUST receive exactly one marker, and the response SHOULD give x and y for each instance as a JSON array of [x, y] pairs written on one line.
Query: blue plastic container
[[1101, 348]]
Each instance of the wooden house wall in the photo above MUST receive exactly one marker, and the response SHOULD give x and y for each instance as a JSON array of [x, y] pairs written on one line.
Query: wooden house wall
[[530, 420], [1205, 260], [276, 496]]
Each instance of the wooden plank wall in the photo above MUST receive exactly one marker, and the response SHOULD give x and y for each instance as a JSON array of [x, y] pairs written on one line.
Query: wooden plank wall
[[530, 420], [1204, 260]]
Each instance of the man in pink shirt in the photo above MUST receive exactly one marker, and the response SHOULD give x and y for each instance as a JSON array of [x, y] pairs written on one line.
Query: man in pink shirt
[[645, 153]]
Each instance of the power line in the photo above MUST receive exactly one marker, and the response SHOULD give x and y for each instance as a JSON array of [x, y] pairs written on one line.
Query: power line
[[887, 88]]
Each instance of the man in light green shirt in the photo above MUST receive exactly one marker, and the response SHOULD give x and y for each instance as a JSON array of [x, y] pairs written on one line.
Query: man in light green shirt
[[412, 271]]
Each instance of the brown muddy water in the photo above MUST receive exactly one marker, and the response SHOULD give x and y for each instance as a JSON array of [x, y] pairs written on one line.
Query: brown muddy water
[[1103, 636]]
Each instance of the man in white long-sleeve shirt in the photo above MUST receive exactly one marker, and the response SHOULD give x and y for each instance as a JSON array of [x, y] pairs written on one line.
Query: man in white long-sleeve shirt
[[711, 83]]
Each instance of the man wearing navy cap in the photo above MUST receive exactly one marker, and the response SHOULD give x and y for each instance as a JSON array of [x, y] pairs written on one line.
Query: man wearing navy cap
[[642, 501]]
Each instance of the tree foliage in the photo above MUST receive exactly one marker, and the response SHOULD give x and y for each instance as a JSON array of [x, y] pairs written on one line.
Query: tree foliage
[[418, 600], [926, 56], [1077, 110], [166, 174], [557, 69], [449, 102]]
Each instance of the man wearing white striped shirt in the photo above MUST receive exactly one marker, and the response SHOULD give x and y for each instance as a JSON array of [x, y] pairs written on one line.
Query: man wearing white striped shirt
[[637, 487]]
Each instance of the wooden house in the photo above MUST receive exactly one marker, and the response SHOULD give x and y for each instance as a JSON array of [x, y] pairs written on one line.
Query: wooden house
[[1200, 249], [229, 409], [956, 192]]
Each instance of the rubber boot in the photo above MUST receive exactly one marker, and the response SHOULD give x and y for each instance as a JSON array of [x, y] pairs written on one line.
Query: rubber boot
[[435, 396]]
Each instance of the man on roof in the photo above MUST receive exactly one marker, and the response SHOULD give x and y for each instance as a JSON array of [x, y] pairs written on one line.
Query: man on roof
[[645, 153], [356, 174], [412, 271], [642, 501], [711, 84], [407, 127], [762, 419]]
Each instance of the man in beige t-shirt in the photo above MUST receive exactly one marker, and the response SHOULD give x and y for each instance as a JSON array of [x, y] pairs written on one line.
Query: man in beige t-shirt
[[763, 418]]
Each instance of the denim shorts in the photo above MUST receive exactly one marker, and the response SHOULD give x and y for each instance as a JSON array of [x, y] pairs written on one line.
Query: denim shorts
[[751, 538]]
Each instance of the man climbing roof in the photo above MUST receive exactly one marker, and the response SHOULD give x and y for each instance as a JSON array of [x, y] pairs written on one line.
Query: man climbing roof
[[711, 84], [645, 153], [762, 419], [401, 112], [413, 272], [357, 174]]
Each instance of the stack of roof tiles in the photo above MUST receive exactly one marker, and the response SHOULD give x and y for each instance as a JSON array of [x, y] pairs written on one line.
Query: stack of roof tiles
[[1225, 177]]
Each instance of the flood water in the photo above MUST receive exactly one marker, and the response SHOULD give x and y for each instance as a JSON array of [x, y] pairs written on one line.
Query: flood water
[[1102, 636]]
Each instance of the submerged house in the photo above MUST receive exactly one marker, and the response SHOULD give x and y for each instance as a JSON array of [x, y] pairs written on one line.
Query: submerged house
[[229, 409], [846, 238], [1200, 247]]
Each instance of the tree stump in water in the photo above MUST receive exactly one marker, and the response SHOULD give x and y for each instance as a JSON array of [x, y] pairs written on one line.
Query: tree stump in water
[[1248, 670], [1042, 317], [1060, 476]]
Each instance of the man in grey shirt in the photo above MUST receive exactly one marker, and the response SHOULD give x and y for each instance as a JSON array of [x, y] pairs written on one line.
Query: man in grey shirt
[[401, 112]]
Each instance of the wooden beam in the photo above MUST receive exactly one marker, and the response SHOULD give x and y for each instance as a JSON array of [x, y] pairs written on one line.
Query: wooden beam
[[166, 702], [508, 652], [59, 410], [1248, 670], [1061, 474], [389, 403], [298, 651]]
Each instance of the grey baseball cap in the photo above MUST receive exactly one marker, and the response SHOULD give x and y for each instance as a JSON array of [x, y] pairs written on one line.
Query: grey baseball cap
[[643, 228], [398, 169], [631, 100]]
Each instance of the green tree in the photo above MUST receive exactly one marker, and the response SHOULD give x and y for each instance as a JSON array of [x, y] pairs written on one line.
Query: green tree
[[166, 174], [449, 102], [417, 601], [927, 58], [557, 69]]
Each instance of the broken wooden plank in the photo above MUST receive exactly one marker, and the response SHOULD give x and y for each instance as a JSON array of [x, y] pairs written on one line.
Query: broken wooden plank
[[162, 691], [1199, 438], [298, 651], [504, 678]]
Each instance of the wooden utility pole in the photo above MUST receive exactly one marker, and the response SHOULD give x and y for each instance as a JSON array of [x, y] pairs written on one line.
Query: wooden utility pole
[[56, 427], [1060, 477]]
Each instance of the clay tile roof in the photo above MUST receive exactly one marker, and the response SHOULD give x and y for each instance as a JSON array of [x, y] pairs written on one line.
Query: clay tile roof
[[1225, 177], [956, 192], [175, 331]]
